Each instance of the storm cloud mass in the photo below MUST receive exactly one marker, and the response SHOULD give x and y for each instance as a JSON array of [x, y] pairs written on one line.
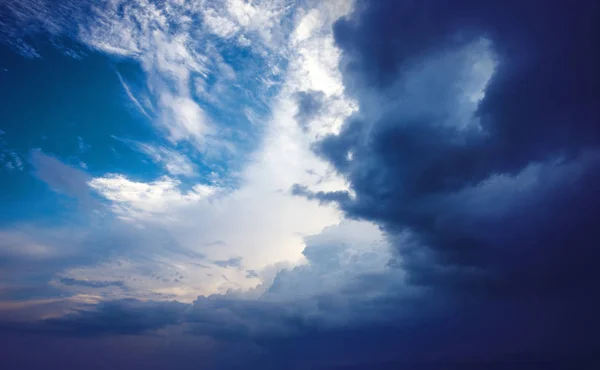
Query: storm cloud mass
[[469, 233], [494, 189], [493, 203], [515, 182]]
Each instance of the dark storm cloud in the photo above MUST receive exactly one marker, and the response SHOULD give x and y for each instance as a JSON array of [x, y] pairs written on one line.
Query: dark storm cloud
[[416, 172], [493, 212], [123, 317], [322, 196], [221, 317], [232, 319]]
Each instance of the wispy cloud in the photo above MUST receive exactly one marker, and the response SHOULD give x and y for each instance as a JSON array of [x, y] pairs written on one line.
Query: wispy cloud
[[132, 97], [174, 162], [161, 37]]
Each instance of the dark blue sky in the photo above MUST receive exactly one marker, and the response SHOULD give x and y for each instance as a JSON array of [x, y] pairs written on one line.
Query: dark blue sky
[[278, 184]]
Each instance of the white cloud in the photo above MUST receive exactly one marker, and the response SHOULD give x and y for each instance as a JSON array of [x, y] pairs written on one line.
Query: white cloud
[[174, 162], [260, 221], [132, 97], [335, 258], [219, 25], [159, 36], [347, 270], [143, 200], [183, 119], [314, 65], [262, 17], [243, 41]]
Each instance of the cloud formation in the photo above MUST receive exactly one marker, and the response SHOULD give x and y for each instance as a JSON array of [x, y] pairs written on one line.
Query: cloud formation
[[426, 167], [456, 230], [469, 152]]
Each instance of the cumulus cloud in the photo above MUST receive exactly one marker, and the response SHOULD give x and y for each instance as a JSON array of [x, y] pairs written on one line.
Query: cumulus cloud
[[220, 25], [139, 199], [458, 152], [409, 156], [346, 270]]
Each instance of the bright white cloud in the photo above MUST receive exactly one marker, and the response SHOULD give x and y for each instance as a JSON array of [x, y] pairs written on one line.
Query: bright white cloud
[[262, 17], [219, 25], [314, 65], [159, 37], [174, 51], [142, 200], [183, 119]]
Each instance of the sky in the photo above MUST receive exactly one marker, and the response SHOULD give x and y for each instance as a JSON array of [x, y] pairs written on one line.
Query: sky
[[280, 184]]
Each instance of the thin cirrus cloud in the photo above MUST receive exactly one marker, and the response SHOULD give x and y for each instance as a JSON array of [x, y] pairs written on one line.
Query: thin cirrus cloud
[[174, 162], [132, 97]]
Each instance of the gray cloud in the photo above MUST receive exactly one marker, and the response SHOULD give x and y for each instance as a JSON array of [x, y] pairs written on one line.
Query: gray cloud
[[309, 105], [480, 187], [232, 262], [91, 283], [62, 178], [124, 317]]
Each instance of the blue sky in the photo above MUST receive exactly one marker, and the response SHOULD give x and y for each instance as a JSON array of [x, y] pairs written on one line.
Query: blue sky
[[170, 119], [280, 184]]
